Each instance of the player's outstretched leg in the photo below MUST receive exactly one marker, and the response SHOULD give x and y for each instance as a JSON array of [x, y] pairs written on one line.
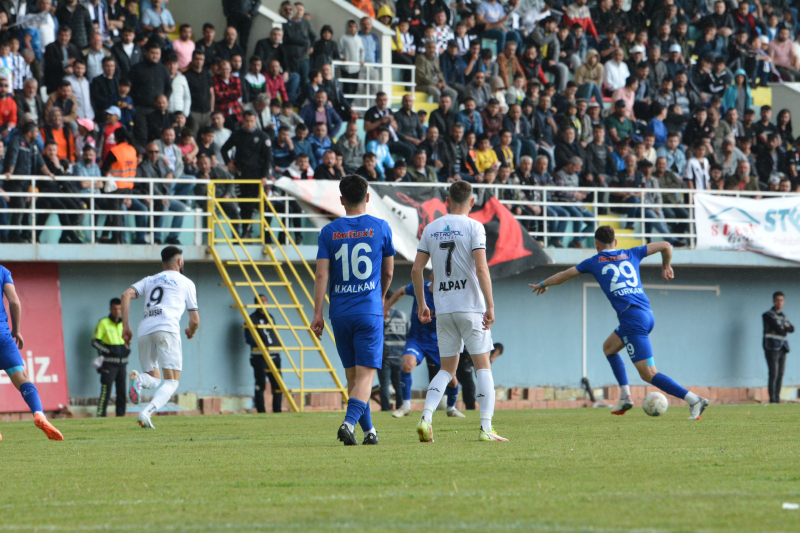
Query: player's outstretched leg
[[452, 396], [137, 382], [370, 435], [696, 403], [432, 399], [160, 399], [485, 398], [31, 396], [611, 348], [409, 362]]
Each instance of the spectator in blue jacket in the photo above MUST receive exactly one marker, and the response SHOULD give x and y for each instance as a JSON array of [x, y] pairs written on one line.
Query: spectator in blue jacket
[[470, 118], [302, 144], [380, 148], [283, 150], [656, 125], [320, 141], [321, 111], [453, 68]]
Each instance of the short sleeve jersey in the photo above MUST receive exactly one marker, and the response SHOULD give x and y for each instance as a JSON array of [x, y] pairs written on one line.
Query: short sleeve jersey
[[355, 247], [450, 241], [5, 277], [423, 333], [166, 296], [617, 272]]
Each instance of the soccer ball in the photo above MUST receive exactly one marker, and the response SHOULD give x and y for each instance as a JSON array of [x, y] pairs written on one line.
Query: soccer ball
[[655, 404]]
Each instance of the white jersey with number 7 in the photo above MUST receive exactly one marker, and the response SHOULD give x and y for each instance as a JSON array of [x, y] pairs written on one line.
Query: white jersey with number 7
[[450, 241]]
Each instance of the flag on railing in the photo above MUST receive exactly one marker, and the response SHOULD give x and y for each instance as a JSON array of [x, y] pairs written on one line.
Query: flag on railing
[[770, 226], [509, 248]]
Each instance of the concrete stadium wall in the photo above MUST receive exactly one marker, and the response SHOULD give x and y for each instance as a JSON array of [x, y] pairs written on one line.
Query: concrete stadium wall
[[700, 338]]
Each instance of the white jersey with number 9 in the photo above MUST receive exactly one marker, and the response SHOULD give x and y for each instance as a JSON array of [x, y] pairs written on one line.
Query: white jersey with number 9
[[166, 296]]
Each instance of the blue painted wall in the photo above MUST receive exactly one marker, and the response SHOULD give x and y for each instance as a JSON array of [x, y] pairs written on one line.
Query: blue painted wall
[[699, 339]]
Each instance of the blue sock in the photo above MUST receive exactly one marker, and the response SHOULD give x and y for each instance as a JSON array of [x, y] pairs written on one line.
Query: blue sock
[[366, 419], [31, 397], [452, 395], [618, 367], [355, 408], [668, 385], [405, 377]]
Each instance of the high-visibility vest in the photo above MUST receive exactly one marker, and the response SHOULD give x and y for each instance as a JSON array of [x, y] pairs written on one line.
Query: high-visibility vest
[[124, 166]]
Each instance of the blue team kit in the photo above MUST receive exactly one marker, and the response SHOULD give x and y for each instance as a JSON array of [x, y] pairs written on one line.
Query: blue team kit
[[10, 358], [422, 341], [617, 272], [356, 247]]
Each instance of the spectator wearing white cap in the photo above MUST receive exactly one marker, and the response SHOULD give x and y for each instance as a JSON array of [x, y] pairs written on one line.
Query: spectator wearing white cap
[[636, 54], [674, 62], [108, 140]]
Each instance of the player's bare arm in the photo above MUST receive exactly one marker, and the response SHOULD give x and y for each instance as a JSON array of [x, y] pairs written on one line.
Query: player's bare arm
[[387, 273], [15, 310], [392, 301], [320, 289], [555, 279], [194, 323], [666, 258], [127, 296], [418, 278], [485, 281]]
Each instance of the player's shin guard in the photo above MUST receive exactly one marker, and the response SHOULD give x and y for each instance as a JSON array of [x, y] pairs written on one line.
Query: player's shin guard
[[452, 396], [31, 396], [405, 377], [366, 420], [163, 394], [355, 410], [668, 385], [435, 393], [485, 397]]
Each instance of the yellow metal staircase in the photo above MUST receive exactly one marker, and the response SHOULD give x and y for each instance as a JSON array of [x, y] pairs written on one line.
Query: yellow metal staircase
[[276, 277]]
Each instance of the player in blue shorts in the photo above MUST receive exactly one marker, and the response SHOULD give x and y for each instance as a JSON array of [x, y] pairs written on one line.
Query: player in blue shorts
[[421, 343], [11, 360], [356, 256], [617, 272]]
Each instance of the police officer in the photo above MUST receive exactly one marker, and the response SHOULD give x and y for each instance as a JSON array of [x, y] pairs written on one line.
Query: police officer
[[252, 161], [260, 368], [113, 357], [395, 329], [776, 326]]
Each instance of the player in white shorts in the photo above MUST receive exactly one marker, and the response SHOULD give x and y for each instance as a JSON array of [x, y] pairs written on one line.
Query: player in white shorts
[[462, 292], [166, 295]]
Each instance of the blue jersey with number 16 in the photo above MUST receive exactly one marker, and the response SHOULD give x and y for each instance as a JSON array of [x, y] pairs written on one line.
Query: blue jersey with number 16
[[355, 247], [617, 272]]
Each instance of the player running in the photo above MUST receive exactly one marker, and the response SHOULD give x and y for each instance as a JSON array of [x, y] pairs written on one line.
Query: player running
[[357, 256], [617, 272], [11, 362], [456, 245], [167, 295], [421, 343]]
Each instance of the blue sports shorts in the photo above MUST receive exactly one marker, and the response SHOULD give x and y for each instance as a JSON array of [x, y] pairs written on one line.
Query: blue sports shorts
[[421, 350], [359, 340], [9, 353], [635, 325]]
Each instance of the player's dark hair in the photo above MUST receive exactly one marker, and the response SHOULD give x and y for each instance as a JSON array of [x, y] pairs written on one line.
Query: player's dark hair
[[169, 253], [499, 347], [117, 301], [776, 294], [604, 234], [353, 189], [460, 192]]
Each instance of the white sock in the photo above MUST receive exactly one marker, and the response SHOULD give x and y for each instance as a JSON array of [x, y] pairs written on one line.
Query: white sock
[[163, 394], [371, 431], [148, 381], [435, 393], [625, 390], [691, 398], [350, 426], [407, 404], [485, 397]]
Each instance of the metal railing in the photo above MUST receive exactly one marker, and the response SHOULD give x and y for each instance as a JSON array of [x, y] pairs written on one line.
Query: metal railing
[[98, 206], [601, 207], [371, 79]]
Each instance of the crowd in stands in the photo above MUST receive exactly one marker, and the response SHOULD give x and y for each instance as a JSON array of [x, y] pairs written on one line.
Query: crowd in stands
[[651, 94]]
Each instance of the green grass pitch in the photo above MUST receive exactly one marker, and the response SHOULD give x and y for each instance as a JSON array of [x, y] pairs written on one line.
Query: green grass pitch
[[563, 470]]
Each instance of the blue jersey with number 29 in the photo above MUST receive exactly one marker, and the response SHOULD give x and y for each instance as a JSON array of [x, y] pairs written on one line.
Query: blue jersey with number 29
[[617, 272], [355, 247]]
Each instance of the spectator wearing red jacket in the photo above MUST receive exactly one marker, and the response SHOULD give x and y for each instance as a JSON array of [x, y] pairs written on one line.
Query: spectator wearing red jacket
[[275, 85], [228, 94]]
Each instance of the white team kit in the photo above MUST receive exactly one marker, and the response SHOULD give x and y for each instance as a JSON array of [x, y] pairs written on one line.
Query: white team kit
[[450, 241], [166, 295]]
